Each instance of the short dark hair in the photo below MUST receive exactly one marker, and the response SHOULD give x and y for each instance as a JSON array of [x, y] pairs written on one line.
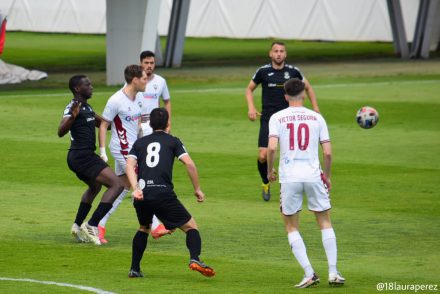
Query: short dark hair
[[132, 71], [75, 81], [277, 43], [159, 119], [294, 86], [145, 54]]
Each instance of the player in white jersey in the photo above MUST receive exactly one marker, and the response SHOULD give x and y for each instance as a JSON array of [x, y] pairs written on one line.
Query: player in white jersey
[[155, 90], [123, 112], [299, 132], [149, 99]]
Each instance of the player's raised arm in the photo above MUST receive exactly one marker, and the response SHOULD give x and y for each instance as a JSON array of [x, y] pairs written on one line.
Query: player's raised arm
[[252, 111], [193, 175], [67, 121]]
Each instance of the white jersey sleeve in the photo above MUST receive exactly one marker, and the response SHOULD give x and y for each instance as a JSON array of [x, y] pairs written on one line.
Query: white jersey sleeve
[[324, 136], [111, 109], [165, 93], [274, 127]]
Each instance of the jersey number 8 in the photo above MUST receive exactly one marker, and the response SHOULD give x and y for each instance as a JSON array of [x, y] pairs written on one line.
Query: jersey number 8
[[152, 158]]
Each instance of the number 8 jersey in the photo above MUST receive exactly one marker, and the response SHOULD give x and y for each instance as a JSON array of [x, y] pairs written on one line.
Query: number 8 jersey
[[300, 132], [155, 155]]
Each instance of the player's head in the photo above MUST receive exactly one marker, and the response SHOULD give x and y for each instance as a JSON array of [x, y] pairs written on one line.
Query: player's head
[[80, 85], [294, 89], [278, 53], [148, 61], [135, 75], [159, 119]]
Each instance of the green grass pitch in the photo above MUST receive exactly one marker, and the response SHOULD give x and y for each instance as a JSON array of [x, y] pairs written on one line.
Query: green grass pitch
[[385, 195]]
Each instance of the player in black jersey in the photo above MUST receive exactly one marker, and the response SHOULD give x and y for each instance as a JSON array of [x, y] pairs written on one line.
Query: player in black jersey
[[153, 192], [272, 77], [80, 119]]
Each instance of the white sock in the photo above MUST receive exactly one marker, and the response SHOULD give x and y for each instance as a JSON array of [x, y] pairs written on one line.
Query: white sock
[[115, 206], [329, 242], [155, 223], [300, 252]]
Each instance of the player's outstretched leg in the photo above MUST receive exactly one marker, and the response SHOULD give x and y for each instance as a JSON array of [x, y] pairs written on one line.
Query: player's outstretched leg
[[138, 248], [194, 244], [103, 221]]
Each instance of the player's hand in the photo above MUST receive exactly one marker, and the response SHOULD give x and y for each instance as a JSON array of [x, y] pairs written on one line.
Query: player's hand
[[76, 107], [326, 181], [272, 176], [102, 154], [138, 194], [200, 195], [252, 114]]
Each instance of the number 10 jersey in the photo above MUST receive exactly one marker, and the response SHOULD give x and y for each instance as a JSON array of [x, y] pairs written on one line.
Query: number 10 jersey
[[299, 131]]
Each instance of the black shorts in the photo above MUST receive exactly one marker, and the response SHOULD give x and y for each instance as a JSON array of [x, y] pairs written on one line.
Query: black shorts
[[169, 210], [86, 164], [263, 138]]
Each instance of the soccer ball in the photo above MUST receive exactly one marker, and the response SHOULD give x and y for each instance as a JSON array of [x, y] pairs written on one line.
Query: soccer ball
[[367, 117]]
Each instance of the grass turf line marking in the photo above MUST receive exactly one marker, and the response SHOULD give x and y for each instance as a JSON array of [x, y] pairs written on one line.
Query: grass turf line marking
[[241, 89], [85, 288], [334, 85]]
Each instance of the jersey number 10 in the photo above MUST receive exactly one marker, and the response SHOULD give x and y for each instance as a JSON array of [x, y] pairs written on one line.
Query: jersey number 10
[[302, 136]]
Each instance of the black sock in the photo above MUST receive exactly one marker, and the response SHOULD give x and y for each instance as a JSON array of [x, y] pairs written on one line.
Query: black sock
[[99, 213], [138, 247], [194, 243], [83, 211], [262, 168]]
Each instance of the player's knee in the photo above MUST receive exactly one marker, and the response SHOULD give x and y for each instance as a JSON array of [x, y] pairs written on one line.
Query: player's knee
[[190, 225], [95, 189], [262, 156]]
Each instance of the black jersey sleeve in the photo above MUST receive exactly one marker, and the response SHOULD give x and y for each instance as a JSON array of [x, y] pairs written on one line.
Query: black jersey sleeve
[[179, 148], [257, 77], [68, 110], [134, 151]]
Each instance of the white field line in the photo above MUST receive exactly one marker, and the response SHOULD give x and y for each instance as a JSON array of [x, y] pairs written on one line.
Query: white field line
[[241, 89], [85, 288]]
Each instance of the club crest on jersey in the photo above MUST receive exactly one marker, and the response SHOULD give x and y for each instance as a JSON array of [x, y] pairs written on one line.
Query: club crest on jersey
[[286, 75], [155, 87], [140, 104]]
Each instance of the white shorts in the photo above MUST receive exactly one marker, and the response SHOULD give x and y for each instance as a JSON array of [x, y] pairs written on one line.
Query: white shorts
[[291, 198], [120, 163]]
